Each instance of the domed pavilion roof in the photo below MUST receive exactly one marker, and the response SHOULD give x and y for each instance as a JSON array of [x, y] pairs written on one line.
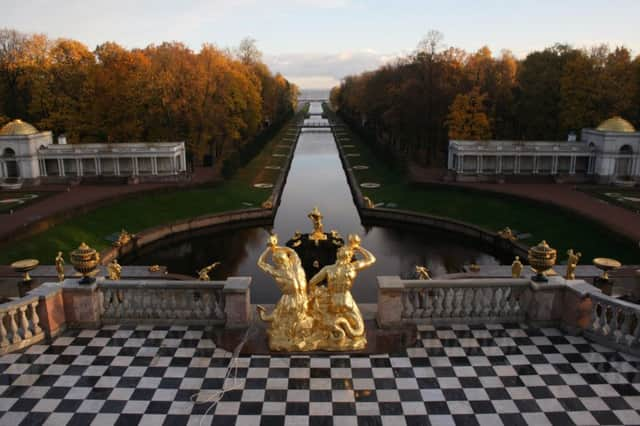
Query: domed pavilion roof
[[616, 124], [17, 128]]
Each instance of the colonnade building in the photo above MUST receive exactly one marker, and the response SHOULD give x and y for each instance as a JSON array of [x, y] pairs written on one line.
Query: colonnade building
[[610, 153], [27, 154]]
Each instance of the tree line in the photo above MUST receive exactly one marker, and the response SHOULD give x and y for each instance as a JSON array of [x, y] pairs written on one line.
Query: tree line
[[412, 107], [216, 100]]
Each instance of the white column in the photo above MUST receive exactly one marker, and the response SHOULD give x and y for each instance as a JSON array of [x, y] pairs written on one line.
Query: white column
[[61, 167], [572, 166], [498, 164], [154, 165], [450, 160], [183, 157], [3, 169], [461, 163], [479, 164], [116, 166], [134, 160], [79, 166], [96, 162], [516, 165], [535, 164]]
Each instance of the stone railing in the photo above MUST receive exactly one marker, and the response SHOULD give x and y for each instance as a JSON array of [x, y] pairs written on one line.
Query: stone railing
[[158, 302], [614, 322], [442, 301], [188, 301], [20, 324]]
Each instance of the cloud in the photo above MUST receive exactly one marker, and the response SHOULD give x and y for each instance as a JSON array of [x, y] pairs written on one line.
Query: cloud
[[318, 70]]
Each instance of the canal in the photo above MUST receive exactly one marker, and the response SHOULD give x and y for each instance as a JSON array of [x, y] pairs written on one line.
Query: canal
[[317, 179]]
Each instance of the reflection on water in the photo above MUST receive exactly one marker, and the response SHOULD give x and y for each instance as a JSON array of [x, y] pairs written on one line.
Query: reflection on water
[[316, 178]]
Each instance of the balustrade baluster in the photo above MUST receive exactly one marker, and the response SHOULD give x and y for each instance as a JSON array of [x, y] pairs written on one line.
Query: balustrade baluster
[[505, 310], [15, 336], [427, 300], [458, 302], [604, 323], [126, 306], [625, 328], [636, 331], [595, 316], [4, 341], [35, 319], [24, 322]]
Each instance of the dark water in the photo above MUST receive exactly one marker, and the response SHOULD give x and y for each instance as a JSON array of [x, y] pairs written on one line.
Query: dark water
[[316, 178]]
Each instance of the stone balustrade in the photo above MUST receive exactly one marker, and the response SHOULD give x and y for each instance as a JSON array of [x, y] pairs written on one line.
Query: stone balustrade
[[614, 322], [156, 302], [442, 301], [19, 324]]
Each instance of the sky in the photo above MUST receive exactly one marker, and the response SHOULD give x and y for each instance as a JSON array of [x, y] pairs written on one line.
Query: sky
[[315, 43]]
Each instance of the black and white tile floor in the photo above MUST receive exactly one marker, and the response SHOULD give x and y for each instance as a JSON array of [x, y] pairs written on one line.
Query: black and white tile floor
[[489, 375]]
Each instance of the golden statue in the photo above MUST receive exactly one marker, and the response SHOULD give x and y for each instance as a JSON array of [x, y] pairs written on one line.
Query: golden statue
[[368, 203], [338, 323], [123, 239], [290, 322], [572, 263], [114, 270], [516, 268], [315, 317], [318, 229], [423, 272], [60, 266], [507, 234], [203, 274]]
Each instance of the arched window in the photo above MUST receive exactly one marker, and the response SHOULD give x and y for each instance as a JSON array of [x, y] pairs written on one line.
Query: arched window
[[626, 150], [623, 162], [10, 163]]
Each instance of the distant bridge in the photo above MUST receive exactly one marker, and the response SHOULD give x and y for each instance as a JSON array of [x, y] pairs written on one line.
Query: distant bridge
[[327, 126], [313, 100]]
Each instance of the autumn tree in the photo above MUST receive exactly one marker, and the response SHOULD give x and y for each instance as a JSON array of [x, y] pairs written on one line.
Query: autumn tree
[[467, 119]]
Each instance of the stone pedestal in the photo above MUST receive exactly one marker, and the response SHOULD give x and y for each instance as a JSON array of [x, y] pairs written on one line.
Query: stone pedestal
[[50, 309], [82, 304], [237, 306], [389, 301], [544, 302], [576, 315]]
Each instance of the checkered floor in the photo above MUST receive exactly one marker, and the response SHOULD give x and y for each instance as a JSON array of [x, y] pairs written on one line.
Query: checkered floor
[[488, 375]]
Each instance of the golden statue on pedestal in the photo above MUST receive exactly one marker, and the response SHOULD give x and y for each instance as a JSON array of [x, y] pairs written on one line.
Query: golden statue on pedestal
[[318, 229], [516, 268], [114, 270], [60, 266], [572, 264], [423, 272], [315, 317]]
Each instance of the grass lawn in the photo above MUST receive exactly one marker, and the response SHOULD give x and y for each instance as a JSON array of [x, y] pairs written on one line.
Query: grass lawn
[[561, 228], [629, 198], [152, 209]]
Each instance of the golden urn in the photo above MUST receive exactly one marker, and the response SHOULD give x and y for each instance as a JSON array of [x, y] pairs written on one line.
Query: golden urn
[[542, 258], [85, 260]]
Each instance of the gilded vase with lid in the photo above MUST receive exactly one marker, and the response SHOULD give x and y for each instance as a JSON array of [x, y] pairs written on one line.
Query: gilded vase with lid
[[85, 260], [542, 258]]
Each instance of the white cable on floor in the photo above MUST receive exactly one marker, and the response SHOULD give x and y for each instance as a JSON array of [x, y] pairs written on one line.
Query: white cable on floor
[[232, 368]]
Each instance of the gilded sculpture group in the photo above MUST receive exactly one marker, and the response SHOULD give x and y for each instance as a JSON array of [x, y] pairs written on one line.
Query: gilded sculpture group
[[310, 316]]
